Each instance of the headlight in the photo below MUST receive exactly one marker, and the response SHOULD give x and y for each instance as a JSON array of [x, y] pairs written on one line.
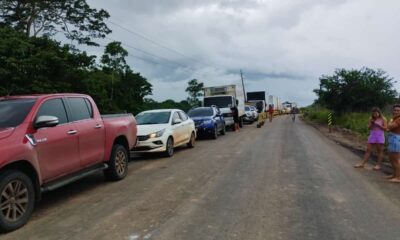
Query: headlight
[[157, 134], [207, 122]]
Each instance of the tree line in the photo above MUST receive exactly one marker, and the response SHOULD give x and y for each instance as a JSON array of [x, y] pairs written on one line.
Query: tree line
[[356, 90], [31, 61]]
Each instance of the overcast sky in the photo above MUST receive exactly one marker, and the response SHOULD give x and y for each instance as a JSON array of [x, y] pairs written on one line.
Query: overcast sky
[[282, 46]]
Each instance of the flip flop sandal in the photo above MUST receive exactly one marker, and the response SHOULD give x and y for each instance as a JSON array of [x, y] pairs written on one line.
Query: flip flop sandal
[[376, 168]]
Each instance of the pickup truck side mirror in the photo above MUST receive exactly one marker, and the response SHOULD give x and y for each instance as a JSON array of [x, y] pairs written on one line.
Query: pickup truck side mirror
[[176, 121], [45, 121]]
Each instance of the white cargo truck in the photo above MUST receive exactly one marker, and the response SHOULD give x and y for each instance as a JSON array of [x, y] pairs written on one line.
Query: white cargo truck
[[276, 103], [225, 97]]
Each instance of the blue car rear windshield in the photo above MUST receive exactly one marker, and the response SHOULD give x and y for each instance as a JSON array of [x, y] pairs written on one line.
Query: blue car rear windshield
[[14, 111], [153, 118], [201, 112]]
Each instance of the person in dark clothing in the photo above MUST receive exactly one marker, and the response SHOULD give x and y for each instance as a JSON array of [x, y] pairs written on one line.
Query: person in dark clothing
[[235, 113]]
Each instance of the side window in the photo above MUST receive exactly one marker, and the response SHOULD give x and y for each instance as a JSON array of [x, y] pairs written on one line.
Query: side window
[[175, 116], [89, 105], [183, 115], [53, 107], [79, 109]]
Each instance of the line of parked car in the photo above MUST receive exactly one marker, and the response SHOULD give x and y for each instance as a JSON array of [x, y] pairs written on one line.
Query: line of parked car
[[50, 140], [164, 129]]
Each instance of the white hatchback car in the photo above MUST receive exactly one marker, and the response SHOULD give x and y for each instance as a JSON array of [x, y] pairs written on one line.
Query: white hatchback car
[[162, 130]]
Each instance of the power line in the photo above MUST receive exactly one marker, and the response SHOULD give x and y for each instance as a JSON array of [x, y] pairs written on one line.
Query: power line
[[150, 54], [150, 40]]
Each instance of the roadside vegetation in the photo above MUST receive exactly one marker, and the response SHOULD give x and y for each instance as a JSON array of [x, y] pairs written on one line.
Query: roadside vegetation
[[356, 121], [349, 95], [31, 61]]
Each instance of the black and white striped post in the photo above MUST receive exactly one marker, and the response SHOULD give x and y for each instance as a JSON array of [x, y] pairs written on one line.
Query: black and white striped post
[[330, 121]]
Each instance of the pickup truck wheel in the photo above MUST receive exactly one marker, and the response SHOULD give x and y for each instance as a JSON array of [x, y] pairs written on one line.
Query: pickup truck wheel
[[17, 199], [169, 148], [191, 141], [118, 164]]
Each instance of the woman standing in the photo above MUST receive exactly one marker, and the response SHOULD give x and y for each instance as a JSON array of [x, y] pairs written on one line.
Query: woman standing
[[394, 143], [377, 126]]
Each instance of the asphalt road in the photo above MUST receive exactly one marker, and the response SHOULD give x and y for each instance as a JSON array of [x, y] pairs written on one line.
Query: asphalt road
[[283, 181]]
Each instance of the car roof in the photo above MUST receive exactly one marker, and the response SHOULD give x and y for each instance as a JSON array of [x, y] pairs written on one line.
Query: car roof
[[36, 96], [162, 110], [202, 107]]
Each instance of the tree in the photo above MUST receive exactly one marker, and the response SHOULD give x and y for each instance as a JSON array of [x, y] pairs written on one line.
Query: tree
[[39, 65], [131, 91], [74, 18], [194, 90], [114, 62], [355, 90]]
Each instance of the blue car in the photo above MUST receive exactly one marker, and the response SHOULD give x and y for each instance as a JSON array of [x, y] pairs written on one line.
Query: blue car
[[208, 121]]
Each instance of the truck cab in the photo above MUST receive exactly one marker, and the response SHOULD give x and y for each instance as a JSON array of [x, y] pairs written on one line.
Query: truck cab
[[225, 97]]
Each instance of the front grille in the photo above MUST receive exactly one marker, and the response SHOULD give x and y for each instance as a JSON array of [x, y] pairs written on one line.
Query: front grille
[[227, 114], [143, 138]]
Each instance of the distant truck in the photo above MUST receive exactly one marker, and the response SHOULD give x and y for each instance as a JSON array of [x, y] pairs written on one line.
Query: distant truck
[[224, 97], [258, 100], [287, 107], [47, 141], [276, 104]]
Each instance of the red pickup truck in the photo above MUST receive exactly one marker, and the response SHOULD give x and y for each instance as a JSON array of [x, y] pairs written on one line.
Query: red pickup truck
[[47, 141]]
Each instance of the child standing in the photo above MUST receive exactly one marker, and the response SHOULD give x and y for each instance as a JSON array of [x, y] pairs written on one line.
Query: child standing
[[377, 126]]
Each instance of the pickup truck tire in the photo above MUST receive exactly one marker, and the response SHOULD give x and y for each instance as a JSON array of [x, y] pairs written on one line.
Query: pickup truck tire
[[169, 148], [192, 141], [17, 199], [118, 164]]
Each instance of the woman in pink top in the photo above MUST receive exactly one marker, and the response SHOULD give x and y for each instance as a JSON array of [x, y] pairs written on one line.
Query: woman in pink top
[[377, 126]]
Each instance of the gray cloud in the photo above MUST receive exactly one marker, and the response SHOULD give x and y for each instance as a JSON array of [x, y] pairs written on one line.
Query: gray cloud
[[282, 46]]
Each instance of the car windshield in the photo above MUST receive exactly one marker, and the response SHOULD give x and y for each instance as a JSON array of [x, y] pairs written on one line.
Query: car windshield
[[14, 111], [221, 102], [153, 118], [200, 112]]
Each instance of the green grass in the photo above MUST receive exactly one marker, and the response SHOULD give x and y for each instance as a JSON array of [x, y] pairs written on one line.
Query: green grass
[[356, 122]]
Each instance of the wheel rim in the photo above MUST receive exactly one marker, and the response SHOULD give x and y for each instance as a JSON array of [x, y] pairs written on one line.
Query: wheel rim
[[192, 140], [14, 200], [215, 132], [120, 162], [170, 149]]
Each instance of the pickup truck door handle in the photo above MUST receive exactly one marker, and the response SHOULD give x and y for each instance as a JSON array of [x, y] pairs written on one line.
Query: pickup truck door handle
[[72, 132], [97, 126]]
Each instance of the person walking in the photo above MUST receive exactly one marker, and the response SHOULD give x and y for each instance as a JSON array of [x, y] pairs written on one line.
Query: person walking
[[270, 112], [293, 112], [377, 125], [394, 143]]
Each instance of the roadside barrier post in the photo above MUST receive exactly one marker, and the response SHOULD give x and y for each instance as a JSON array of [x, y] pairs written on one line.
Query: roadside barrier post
[[330, 121]]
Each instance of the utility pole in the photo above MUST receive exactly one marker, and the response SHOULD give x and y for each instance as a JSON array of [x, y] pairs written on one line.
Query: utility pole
[[244, 91]]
